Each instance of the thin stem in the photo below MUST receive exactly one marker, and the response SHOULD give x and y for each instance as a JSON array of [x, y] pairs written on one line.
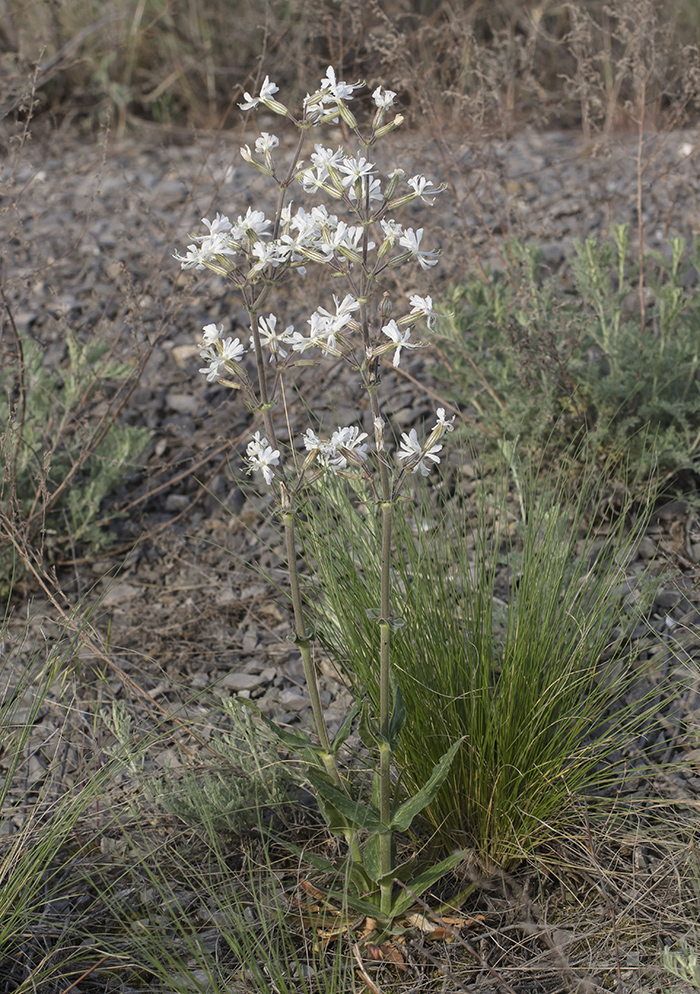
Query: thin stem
[[640, 216], [303, 640], [385, 847], [265, 405], [284, 185]]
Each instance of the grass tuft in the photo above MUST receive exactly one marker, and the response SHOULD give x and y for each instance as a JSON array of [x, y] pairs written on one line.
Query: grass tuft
[[512, 635]]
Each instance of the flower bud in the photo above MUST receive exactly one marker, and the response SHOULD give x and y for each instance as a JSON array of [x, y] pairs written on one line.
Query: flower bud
[[394, 180], [399, 260], [347, 116], [400, 201], [276, 107], [386, 306], [396, 123]]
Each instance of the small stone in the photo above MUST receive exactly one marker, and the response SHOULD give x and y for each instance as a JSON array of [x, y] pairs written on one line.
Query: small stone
[[668, 598], [647, 548], [294, 700], [184, 355], [120, 593], [182, 403], [176, 502], [241, 681], [250, 641]]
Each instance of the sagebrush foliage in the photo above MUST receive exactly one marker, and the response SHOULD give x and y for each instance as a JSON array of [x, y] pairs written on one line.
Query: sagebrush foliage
[[56, 473], [539, 362], [223, 800]]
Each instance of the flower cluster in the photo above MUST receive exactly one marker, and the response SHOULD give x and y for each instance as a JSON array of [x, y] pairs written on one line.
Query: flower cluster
[[422, 457], [343, 445], [255, 252], [261, 457], [305, 236], [221, 354]]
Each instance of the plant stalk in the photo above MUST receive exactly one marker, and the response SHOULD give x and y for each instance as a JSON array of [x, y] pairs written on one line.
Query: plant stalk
[[385, 847], [303, 641]]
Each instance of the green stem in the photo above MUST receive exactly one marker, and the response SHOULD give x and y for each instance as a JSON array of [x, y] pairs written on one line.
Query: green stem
[[303, 640], [385, 847]]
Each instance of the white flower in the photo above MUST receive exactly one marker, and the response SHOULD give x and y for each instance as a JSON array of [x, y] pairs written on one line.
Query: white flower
[[262, 457], [443, 424], [423, 188], [325, 158], [351, 438], [344, 310], [271, 339], [329, 452], [199, 256], [322, 217], [685, 150], [375, 190], [355, 167], [312, 179], [265, 143], [353, 239], [392, 230], [266, 92], [254, 223], [220, 224], [384, 99], [301, 344], [267, 254], [322, 334], [393, 332], [338, 89], [411, 240], [311, 440], [213, 370], [210, 336], [423, 306], [411, 450], [231, 350]]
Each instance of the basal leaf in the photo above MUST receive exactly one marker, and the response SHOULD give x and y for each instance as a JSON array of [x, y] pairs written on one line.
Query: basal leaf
[[424, 880], [358, 815], [403, 817]]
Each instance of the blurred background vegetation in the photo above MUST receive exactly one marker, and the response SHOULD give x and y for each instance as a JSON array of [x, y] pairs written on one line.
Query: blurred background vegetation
[[184, 62]]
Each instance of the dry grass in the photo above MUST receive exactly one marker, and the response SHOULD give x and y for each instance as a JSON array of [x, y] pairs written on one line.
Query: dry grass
[[481, 65]]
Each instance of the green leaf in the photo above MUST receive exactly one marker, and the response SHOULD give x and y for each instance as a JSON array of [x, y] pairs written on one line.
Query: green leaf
[[336, 821], [296, 639], [363, 905], [424, 880], [318, 862], [368, 731], [358, 815], [295, 740], [370, 858], [422, 798], [401, 872], [343, 732], [356, 875]]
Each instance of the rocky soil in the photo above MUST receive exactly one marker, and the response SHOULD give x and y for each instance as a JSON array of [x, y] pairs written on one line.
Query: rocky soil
[[89, 232]]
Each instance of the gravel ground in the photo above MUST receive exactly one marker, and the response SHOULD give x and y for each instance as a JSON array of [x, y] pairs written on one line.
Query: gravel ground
[[91, 232], [91, 229]]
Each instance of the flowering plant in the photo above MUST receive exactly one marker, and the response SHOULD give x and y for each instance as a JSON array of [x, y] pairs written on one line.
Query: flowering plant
[[255, 254]]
